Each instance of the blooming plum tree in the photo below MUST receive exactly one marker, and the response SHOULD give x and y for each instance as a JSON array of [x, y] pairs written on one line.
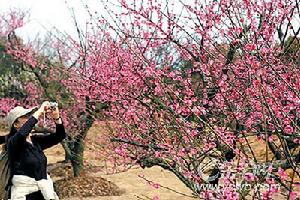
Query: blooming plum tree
[[187, 89]]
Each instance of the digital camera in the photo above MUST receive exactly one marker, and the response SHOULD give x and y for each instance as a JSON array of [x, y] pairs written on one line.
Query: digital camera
[[53, 105]]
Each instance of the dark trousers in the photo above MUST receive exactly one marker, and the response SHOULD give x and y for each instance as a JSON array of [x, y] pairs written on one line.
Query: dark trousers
[[35, 196]]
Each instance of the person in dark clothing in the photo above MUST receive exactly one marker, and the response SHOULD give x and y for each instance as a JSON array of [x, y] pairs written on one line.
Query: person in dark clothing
[[30, 180]]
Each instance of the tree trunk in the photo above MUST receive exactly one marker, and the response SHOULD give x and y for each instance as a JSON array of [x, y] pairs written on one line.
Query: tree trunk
[[77, 157], [68, 151], [74, 147]]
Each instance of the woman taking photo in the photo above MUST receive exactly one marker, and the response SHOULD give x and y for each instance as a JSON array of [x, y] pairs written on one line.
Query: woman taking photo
[[30, 180]]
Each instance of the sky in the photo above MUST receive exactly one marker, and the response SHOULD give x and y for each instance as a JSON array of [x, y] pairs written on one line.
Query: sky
[[46, 14]]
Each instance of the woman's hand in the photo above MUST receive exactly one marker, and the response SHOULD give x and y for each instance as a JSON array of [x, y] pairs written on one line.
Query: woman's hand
[[55, 113], [56, 116], [42, 109]]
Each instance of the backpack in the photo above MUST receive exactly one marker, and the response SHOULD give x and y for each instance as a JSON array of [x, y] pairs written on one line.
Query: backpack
[[5, 175]]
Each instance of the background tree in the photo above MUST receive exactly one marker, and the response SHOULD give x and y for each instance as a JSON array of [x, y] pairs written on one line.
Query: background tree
[[33, 72]]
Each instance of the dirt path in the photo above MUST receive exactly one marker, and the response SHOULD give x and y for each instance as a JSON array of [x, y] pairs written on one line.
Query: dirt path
[[134, 186], [137, 188]]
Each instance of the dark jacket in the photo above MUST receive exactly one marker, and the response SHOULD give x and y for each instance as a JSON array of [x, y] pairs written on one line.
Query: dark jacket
[[2, 139]]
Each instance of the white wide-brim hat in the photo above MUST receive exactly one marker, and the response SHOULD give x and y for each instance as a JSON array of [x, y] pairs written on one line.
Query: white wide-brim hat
[[17, 112]]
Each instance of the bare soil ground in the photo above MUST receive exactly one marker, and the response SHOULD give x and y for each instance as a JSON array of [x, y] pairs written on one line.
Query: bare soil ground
[[131, 186], [129, 182]]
